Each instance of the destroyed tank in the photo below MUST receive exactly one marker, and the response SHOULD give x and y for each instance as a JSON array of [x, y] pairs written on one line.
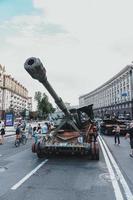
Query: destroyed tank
[[76, 133]]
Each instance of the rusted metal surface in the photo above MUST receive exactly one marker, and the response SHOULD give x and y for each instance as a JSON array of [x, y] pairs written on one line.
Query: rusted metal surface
[[67, 135], [76, 133]]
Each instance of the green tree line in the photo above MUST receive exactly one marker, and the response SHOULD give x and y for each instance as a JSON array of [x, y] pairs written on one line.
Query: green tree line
[[44, 107]]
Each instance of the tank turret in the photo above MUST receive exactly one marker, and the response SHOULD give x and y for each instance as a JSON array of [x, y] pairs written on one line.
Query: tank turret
[[37, 71]]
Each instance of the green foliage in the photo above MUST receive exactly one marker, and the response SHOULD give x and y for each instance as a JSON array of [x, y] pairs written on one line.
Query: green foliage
[[37, 98], [33, 115], [23, 113], [44, 107]]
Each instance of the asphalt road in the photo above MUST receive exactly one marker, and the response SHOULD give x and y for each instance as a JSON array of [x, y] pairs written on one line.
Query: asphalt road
[[63, 177]]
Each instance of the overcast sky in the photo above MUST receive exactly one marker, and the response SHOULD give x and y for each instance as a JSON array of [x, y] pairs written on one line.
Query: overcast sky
[[82, 43]]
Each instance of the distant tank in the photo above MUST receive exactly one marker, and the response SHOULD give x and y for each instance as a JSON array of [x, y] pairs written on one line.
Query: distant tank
[[76, 133], [107, 126]]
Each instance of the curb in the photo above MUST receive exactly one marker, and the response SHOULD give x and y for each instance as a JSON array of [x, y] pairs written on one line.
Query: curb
[[9, 135]]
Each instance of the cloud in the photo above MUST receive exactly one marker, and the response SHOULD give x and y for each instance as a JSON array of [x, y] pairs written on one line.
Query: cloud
[[124, 46], [72, 14], [30, 25], [81, 43], [26, 36]]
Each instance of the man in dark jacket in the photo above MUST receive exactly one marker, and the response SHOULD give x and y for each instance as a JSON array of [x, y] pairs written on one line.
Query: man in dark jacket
[[130, 135]]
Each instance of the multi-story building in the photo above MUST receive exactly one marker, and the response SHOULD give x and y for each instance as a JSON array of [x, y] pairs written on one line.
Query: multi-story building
[[2, 71], [115, 97], [13, 95], [29, 104]]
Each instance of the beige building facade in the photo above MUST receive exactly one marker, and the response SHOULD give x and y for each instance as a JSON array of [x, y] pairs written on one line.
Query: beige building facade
[[115, 97], [13, 95]]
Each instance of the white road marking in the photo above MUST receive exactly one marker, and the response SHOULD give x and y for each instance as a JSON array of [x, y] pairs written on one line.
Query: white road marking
[[28, 175], [115, 184], [124, 184]]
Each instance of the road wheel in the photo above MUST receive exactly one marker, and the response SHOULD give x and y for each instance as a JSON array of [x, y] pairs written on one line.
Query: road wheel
[[40, 155], [33, 148], [38, 151], [17, 143], [24, 140], [96, 157], [94, 151]]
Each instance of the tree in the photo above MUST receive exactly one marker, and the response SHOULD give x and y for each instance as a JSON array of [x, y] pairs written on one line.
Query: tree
[[38, 97], [33, 115], [44, 107], [23, 112]]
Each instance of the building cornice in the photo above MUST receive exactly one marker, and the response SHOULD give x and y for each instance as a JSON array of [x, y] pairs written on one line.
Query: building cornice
[[125, 69], [5, 88]]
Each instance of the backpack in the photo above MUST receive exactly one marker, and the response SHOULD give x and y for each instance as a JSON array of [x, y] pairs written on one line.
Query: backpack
[[2, 131]]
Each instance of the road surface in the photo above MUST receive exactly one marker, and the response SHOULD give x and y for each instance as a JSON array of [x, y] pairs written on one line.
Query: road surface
[[25, 177]]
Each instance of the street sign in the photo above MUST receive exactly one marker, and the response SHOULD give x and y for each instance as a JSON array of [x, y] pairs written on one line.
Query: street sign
[[9, 119], [124, 94]]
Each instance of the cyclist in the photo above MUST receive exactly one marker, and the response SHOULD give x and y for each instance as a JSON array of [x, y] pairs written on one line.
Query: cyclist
[[18, 132]]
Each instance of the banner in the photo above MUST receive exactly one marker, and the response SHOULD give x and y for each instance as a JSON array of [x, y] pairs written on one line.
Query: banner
[[9, 119]]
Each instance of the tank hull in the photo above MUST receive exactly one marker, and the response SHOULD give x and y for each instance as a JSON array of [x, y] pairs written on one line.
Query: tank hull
[[76, 133], [91, 150]]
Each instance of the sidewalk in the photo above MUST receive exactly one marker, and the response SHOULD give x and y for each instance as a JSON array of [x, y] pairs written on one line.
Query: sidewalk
[[9, 131], [7, 134], [121, 155]]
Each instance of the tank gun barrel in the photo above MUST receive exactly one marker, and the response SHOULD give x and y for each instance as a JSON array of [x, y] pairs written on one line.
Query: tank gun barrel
[[37, 71]]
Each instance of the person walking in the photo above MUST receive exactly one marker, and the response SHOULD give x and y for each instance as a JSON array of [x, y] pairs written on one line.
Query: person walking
[[44, 129], [35, 135], [117, 134], [18, 131], [39, 128], [130, 136], [30, 130], [2, 131]]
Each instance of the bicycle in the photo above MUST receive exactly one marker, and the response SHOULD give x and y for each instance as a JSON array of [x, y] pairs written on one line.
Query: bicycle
[[22, 139]]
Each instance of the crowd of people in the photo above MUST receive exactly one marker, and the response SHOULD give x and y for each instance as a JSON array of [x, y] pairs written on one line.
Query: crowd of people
[[40, 131], [34, 132]]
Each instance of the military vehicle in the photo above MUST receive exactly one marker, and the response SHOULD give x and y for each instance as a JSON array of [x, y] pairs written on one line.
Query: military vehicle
[[108, 125], [76, 133]]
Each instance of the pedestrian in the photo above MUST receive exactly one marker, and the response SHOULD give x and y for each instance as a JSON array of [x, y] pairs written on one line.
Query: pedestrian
[[23, 125], [2, 131], [44, 129], [117, 134], [39, 128], [35, 135], [18, 131], [130, 135], [1, 139], [30, 130]]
